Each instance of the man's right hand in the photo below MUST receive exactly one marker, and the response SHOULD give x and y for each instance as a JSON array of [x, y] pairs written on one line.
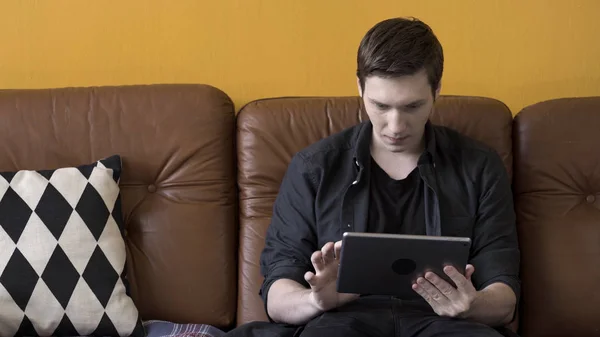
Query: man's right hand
[[292, 303], [324, 295]]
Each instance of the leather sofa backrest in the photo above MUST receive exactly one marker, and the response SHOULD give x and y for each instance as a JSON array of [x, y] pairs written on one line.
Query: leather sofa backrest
[[178, 182], [271, 131], [557, 187]]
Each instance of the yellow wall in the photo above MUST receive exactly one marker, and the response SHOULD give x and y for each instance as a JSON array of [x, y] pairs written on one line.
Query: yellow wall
[[519, 51]]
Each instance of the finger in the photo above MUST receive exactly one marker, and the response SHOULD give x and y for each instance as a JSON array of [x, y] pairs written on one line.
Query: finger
[[469, 271], [338, 250], [459, 279], [432, 291], [317, 260], [444, 287], [328, 254], [425, 295]]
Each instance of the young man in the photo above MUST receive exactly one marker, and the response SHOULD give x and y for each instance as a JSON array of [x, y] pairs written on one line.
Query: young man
[[396, 173]]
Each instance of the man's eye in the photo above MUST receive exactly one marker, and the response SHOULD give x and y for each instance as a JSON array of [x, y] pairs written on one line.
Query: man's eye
[[380, 106]]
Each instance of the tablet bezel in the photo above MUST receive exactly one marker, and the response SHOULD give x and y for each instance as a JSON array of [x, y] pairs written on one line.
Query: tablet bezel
[[366, 261]]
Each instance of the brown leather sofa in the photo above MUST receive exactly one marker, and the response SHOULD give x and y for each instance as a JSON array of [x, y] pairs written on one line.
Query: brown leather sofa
[[199, 183]]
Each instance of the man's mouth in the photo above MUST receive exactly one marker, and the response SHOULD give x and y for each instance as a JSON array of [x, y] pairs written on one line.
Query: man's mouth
[[396, 140]]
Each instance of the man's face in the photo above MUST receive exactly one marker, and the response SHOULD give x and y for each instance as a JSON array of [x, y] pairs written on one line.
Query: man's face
[[398, 108]]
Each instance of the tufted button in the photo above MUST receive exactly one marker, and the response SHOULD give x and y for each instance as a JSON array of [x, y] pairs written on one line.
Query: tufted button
[[151, 188], [590, 198]]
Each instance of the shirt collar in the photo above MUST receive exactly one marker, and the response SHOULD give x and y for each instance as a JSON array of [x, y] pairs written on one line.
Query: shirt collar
[[362, 148]]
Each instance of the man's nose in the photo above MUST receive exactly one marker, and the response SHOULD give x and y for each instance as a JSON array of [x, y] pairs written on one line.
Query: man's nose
[[396, 124]]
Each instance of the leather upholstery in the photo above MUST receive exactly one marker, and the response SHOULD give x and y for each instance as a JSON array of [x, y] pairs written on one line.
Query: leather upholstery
[[557, 187], [186, 261], [178, 184], [271, 131]]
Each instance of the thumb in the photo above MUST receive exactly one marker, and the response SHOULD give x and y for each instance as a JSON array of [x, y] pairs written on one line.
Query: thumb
[[310, 278]]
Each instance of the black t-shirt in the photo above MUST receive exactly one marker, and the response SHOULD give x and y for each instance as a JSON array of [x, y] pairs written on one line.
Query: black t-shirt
[[396, 206]]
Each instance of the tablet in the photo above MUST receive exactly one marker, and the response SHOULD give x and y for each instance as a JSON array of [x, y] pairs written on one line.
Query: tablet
[[388, 264]]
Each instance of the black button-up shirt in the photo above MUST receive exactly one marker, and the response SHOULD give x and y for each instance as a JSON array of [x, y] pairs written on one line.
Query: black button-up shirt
[[325, 192]]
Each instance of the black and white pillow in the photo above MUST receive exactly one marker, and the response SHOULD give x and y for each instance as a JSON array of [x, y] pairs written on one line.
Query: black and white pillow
[[62, 253]]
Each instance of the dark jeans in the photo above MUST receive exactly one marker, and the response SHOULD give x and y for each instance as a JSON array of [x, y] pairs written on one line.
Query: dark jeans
[[374, 316]]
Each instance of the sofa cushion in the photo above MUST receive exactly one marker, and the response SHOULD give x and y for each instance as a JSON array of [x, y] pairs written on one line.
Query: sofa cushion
[[557, 187], [177, 187], [271, 131], [62, 253]]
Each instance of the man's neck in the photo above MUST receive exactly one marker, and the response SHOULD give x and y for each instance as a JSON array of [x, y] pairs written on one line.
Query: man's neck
[[397, 165]]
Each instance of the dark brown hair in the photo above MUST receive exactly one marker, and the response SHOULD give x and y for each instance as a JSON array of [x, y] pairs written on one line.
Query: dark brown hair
[[400, 46]]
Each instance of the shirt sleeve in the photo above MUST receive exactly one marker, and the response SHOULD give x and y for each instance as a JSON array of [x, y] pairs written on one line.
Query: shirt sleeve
[[291, 237], [496, 255]]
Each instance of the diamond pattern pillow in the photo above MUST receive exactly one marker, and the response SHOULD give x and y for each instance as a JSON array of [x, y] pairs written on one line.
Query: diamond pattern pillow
[[62, 253]]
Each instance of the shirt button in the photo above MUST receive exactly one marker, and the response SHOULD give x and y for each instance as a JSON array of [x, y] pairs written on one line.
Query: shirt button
[[590, 198], [151, 188], [348, 225]]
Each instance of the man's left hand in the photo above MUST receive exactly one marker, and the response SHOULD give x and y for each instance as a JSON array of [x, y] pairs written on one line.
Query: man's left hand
[[445, 299]]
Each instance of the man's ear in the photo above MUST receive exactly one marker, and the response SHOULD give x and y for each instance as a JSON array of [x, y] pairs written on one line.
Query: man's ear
[[437, 92], [360, 92]]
